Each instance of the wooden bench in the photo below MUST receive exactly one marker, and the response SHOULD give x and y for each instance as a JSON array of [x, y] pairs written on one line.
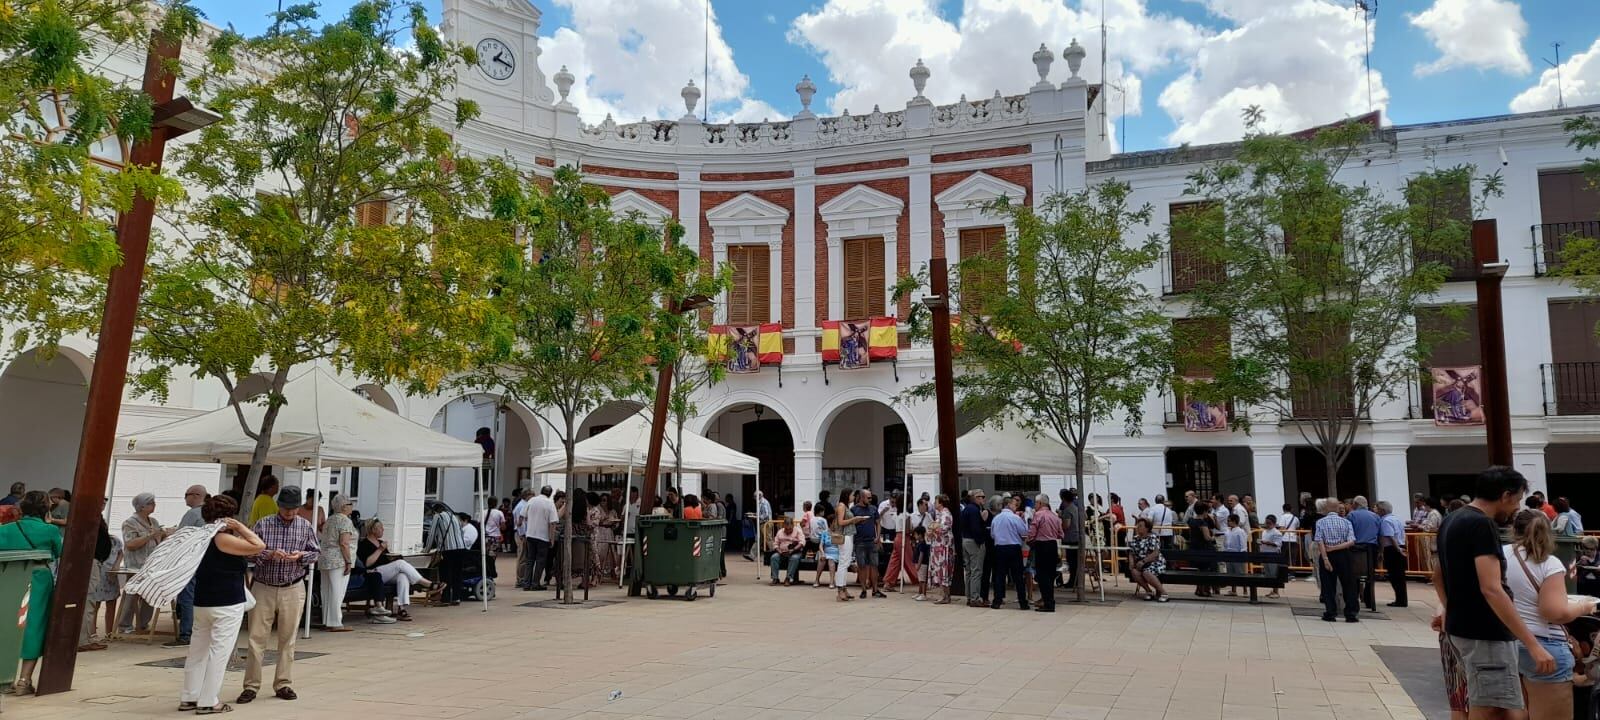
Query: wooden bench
[[1201, 567]]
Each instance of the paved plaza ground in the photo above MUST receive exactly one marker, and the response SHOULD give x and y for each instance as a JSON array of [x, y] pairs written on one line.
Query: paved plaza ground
[[755, 651]]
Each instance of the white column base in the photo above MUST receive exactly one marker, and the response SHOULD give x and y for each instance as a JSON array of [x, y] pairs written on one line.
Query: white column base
[[1390, 478], [807, 476], [1528, 459], [1267, 471]]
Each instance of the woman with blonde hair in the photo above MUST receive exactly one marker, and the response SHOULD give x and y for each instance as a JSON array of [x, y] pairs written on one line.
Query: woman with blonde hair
[[1537, 581]]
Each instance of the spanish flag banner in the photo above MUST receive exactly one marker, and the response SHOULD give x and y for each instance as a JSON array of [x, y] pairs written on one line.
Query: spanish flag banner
[[717, 344], [830, 341], [884, 340], [771, 344]]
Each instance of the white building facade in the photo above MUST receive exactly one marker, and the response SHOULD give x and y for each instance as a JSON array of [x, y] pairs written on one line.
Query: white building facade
[[816, 212]]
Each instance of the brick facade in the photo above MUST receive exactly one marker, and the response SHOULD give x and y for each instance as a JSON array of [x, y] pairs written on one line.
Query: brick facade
[[862, 166], [784, 198], [746, 176], [630, 173], [980, 154], [897, 187], [1021, 175], [665, 198], [547, 162]]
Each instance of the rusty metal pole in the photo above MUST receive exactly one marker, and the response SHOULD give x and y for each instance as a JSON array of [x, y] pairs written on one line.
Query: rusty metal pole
[[1492, 340], [105, 388], [658, 431]]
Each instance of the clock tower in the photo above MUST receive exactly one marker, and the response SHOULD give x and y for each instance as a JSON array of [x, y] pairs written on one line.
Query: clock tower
[[507, 82]]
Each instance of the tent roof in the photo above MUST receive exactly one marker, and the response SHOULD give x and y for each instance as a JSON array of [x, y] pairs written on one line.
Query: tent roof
[[320, 415], [626, 444], [1008, 451]]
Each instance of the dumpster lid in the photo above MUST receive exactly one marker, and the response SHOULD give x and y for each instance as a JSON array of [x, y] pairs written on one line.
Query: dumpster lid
[[21, 555]]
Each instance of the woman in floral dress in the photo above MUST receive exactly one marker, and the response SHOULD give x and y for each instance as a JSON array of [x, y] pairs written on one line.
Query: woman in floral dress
[[603, 552], [941, 541]]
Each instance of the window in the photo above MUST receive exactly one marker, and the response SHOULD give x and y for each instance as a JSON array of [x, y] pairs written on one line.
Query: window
[[863, 278], [839, 480], [976, 284], [372, 213], [1188, 264], [1569, 205], [430, 483], [354, 490], [749, 300], [1454, 344], [896, 445], [1027, 485], [1318, 386], [1453, 202]]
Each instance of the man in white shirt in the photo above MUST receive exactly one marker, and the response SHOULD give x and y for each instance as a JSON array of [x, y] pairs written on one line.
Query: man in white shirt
[[1236, 508], [1163, 518], [538, 530], [519, 525]]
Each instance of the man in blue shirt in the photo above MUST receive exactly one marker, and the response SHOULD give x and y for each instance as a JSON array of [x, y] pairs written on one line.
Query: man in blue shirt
[[1392, 542], [1364, 523], [974, 538], [1007, 528], [866, 545], [1334, 539]]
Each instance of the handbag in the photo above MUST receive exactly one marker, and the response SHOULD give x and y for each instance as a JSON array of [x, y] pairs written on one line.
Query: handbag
[[249, 599]]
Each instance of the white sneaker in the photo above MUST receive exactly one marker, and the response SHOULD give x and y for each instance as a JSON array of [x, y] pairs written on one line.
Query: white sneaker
[[920, 598], [378, 611], [382, 620]]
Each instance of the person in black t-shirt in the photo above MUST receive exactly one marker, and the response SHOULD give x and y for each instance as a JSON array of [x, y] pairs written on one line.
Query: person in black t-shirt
[[1476, 611]]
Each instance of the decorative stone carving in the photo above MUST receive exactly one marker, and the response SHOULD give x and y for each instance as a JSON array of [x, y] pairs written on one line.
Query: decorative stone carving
[[919, 80], [1041, 62], [564, 80], [805, 89], [691, 97], [1074, 55]]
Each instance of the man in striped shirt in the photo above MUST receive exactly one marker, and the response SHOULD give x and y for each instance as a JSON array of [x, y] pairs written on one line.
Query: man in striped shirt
[[279, 587], [443, 537]]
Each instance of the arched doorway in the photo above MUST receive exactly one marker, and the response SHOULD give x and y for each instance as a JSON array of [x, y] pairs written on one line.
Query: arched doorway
[[758, 431], [516, 440], [42, 399], [864, 445]]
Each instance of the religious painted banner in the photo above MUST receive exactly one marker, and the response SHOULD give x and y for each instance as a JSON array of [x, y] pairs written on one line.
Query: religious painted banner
[[1457, 396], [744, 349], [1203, 415], [855, 338]]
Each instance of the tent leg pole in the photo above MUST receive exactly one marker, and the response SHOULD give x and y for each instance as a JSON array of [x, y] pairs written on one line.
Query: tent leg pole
[[483, 539], [316, 482], [111, 487]]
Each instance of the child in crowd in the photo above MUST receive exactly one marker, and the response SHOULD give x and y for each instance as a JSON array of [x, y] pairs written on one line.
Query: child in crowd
[[1235, 540], [921, 556], [1271, 541]]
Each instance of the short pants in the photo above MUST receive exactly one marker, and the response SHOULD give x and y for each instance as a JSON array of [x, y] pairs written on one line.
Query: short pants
[[866, 555], [1491, 669], [1558, 649]]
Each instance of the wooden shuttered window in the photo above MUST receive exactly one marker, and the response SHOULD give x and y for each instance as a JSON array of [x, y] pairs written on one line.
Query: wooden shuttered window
[[864, 283], [989, 242], [749, 300], [1454, 343], [372, 213], [1453, 202], [1189, 265]]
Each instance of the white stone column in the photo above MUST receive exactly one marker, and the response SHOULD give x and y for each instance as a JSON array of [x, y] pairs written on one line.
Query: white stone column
[[400, 496], [1528, 458], [920, 179], [719, 258], [835, 277], [807, 475], [805, 259], [1390, 479], [692, 484], [689, 206], [1267, 471], [1135, 473], [891, 270], [775, 281], [1052, 485], [925, 483]]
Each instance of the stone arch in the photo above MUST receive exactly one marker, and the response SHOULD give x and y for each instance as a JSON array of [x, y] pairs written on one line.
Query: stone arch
[[42, 399], [702, 424], [836, 405]]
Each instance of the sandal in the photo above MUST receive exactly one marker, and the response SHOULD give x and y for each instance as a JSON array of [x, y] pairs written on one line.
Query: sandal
[[187, 706], [403, 616], [223, 708]]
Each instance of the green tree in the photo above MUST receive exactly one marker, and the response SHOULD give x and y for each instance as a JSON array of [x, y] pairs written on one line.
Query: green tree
[[1322, 282], [1059, 333], [339, 224], [584, 307], [57, 202], [687, 347], [1580, 255]]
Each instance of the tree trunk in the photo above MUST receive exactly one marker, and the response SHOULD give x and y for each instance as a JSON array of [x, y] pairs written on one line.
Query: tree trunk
[[566, 523], [1081, 581], [258, 458], [1331, 467]]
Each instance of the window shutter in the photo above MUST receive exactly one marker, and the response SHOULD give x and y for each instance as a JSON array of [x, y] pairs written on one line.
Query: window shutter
[[749, 298], [738, 294], [874, 285], [372, 213], [760, 300], [987, 242]]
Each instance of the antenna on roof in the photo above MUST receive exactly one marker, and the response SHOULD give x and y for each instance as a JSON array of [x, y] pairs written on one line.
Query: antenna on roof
[[705, 72], [1561, 100], [1369, 9], [1105, 72]]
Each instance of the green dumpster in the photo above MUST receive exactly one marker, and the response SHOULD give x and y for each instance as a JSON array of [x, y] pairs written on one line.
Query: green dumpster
[[680, 554], [16, 579]]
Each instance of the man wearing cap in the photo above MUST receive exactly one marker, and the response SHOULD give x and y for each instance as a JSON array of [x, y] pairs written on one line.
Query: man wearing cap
[[280, 591]]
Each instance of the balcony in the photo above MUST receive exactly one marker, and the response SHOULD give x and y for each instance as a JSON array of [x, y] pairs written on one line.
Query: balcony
[[1182, 272], [1571, 388], [1172, 413], [1463, 267], [1549, 239]]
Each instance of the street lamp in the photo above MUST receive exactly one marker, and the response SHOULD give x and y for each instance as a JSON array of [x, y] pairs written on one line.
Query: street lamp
[[658, 419], [172, 117]]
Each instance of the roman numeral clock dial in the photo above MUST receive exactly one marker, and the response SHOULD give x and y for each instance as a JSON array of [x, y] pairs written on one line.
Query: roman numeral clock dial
[[496, 59]]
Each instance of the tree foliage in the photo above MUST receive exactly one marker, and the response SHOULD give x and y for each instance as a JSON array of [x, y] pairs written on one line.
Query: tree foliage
[[274, 268], [583, 310], [1322, 283], [1067, 335], [58, 203], [1580, 255]]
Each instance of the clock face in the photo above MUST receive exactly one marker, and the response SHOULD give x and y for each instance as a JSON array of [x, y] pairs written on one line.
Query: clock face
[[496, 59]]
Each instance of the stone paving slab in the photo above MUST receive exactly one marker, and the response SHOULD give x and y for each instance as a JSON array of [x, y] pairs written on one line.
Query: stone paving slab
[[756, 651]]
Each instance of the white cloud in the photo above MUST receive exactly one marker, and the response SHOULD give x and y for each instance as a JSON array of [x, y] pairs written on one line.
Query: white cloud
[[1580, 83], [1301, 61], [1483, 34], [869, 46], [632, 59]]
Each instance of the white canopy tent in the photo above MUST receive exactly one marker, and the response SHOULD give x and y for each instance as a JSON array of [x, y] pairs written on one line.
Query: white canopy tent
[[1008, 451], [626, 446], [322, 424]]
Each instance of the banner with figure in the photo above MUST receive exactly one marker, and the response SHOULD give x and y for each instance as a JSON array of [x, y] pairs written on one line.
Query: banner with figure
[[1457, 396], [1203, 415], [744, 349], [855, 337]]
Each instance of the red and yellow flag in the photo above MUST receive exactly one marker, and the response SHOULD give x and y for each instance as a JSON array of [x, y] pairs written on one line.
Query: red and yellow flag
[[884, 341], [771, 344]]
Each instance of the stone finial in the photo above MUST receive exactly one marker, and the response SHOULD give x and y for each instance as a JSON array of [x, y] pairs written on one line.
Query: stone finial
[[691, 97], [1074, 55], [919, 78], [805, 89], [564, 80], [1041, 62]]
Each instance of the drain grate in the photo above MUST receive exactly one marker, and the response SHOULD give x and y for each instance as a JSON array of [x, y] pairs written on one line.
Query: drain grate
[[579, 605], [236, 663]]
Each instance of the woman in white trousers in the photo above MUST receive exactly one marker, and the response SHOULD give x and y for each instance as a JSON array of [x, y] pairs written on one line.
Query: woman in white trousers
[[334, 563], [391, 568], [219, 606]]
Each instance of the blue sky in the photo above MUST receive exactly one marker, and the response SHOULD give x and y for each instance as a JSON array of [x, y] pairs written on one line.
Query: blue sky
[[1188, 65]]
